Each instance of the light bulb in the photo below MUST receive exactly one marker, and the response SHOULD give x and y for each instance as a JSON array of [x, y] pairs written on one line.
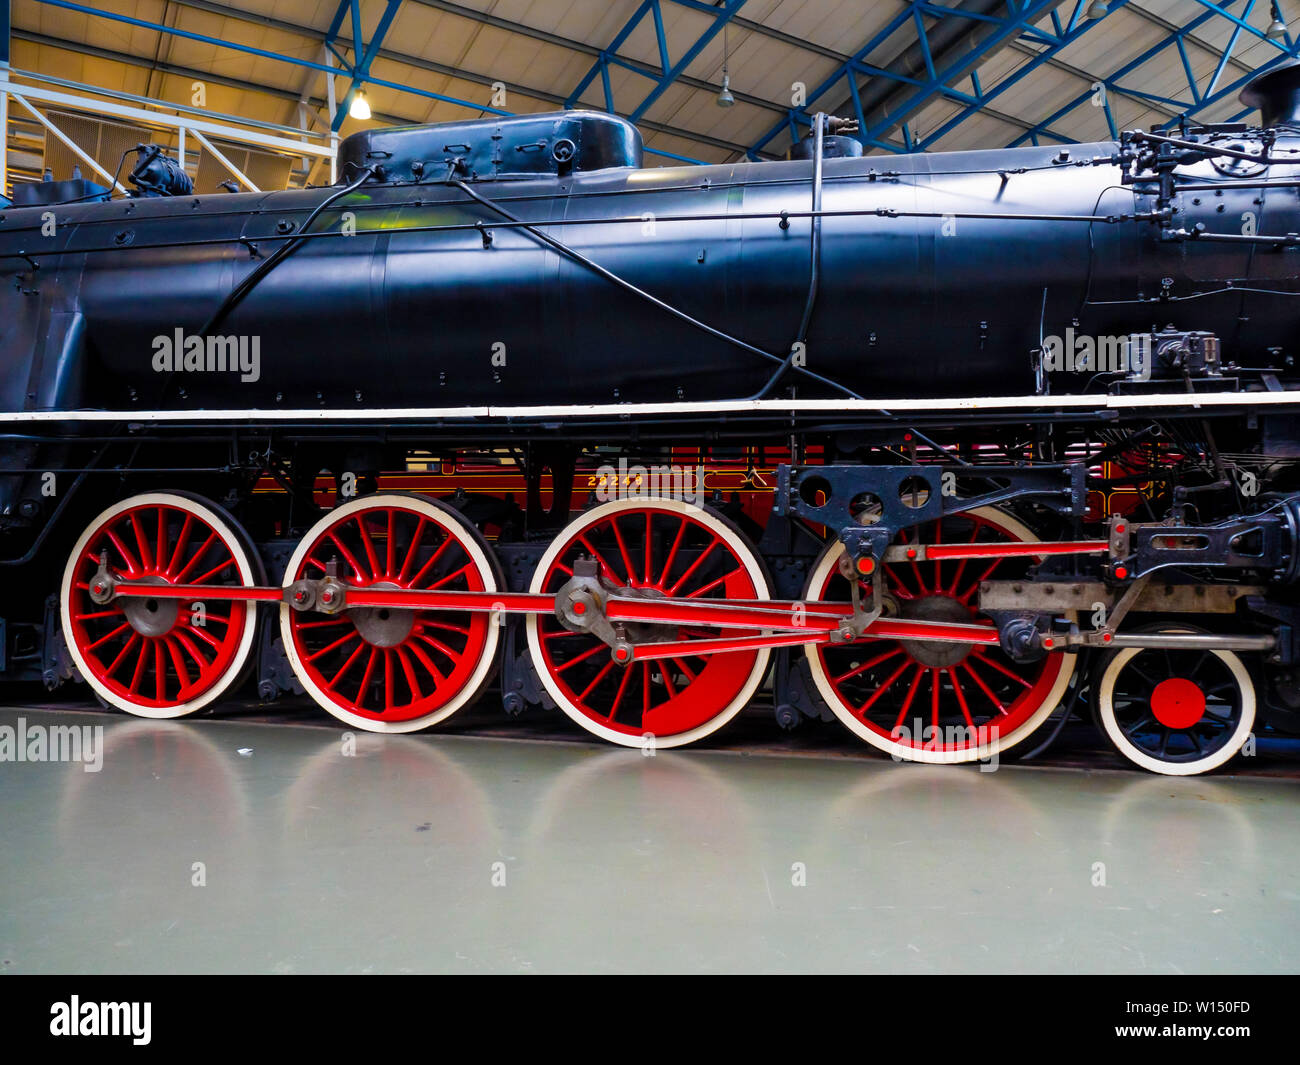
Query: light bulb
[[360, 106]]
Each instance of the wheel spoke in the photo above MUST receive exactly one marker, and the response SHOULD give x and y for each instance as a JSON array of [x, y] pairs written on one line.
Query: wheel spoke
[[368, 544], [911, 694], [618, 699], [438, 645], [160, 672], [360, 649], [889, 683], [856, 670], [961, 697], [694, 566], [213, 572], [672, 555], [581, 658], [389, 545], [348, 556], [622, 550], [467, 568], [438, 677], [206, 637], [132, 566], [138, 675], [184, 640], [347, 637], [412, 550], [108, 636], [605, 567], [141, 542], [986, 660], [647, 571], [178, 552], [427, 568], [409, 671], [713, 584], [134, 638], [182, 674], [180, 577], [160, 543], [365, 678], [984, 688], [604, 672]]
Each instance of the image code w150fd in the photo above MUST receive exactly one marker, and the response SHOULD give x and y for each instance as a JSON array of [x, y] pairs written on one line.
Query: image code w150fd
[[933, 444]]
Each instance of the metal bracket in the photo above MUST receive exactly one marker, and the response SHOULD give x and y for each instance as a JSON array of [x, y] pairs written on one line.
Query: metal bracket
[[871, 505], [856, 624], [103, 585], [580, 603]]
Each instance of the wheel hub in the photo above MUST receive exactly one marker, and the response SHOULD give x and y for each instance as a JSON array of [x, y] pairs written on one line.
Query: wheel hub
[[933, 653], [383, 626], [1178, 703], [151, 617]]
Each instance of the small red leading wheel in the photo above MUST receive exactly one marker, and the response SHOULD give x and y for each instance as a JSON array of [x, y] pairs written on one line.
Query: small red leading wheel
[[392, 670], [160, 658], [660, 547], [926, 701]]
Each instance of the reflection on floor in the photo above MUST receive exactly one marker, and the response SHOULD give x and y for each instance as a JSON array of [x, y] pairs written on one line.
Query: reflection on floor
[[232, 846]]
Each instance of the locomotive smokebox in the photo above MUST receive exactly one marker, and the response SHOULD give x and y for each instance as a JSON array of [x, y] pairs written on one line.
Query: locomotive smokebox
[[1276, 93]]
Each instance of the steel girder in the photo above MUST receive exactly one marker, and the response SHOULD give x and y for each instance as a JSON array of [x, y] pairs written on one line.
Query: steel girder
[[1201, 98]]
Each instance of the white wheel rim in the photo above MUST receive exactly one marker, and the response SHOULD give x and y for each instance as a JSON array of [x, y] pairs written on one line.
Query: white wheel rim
[[667, 506], [1139, 757], [448, 521], [905, 752], [243, 564]]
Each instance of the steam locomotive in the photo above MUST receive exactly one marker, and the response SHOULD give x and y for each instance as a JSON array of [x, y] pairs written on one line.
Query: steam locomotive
[[936, 445]]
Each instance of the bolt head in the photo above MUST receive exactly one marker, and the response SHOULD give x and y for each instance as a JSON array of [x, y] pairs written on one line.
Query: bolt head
[[579, 608], [1106, 637]]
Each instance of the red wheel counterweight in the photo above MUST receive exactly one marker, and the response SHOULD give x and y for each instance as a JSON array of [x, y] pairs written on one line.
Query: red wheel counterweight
[[388, 669], [653, 548], [162, 657]]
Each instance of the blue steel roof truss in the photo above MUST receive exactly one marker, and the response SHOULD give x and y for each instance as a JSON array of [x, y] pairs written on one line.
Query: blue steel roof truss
[[953, 79]]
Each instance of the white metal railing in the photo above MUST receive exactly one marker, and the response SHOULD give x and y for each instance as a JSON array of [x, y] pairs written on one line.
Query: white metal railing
[[184, 120]]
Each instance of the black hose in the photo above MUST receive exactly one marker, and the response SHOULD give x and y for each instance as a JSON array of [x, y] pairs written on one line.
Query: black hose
[[815, 270], [254, 276], [640, 293], [1080, 672]]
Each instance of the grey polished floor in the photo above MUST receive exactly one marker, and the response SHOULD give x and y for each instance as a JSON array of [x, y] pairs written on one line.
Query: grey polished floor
[[458, 854]]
